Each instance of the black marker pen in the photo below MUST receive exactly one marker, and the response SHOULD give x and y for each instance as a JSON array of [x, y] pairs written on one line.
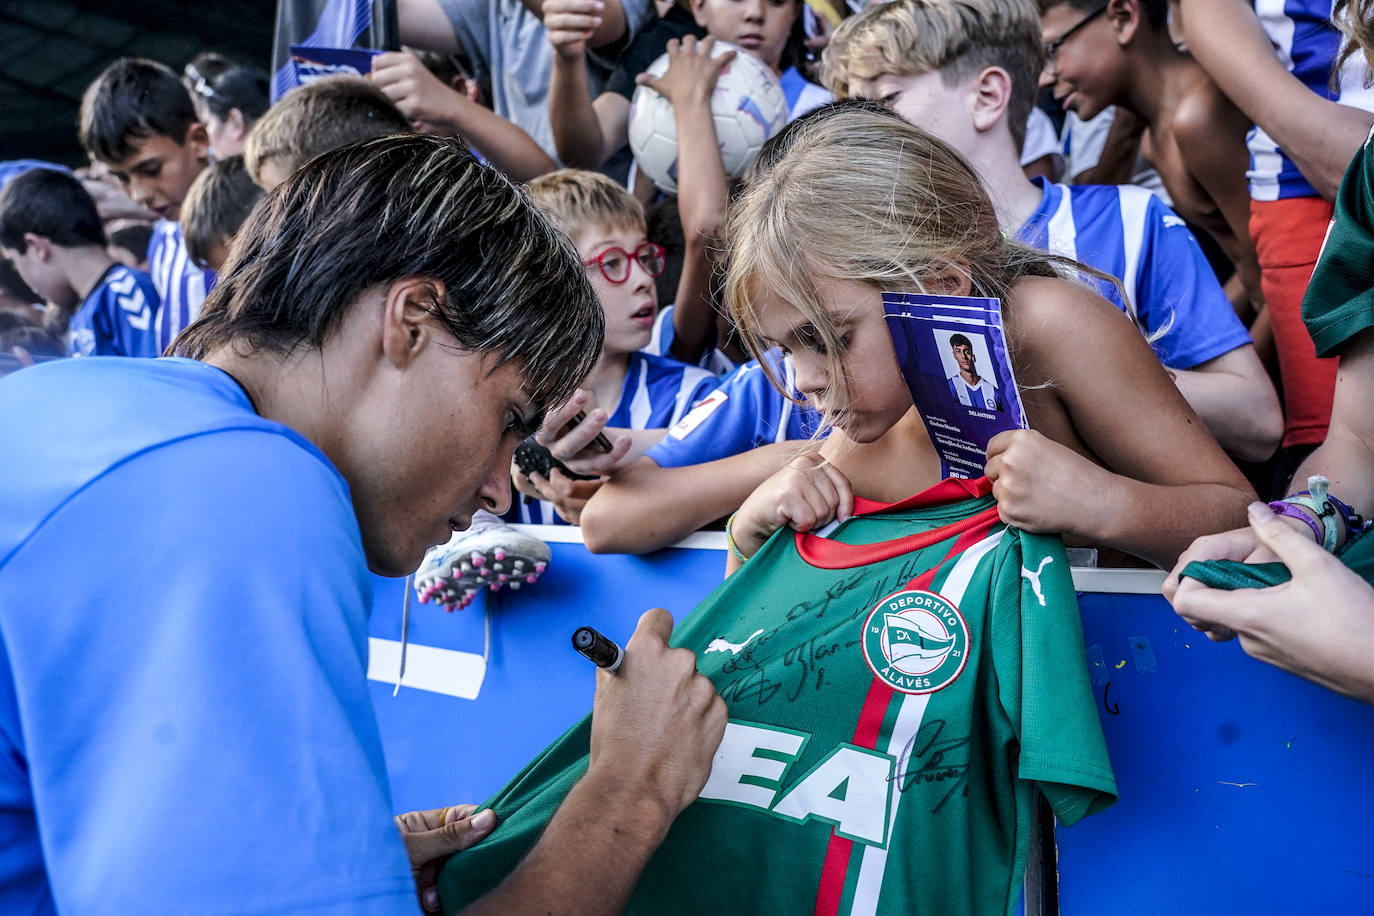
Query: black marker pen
[[599, 650]]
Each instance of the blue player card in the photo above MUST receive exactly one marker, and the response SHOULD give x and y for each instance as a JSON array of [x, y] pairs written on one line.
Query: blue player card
[[953, 355], [316, 63]]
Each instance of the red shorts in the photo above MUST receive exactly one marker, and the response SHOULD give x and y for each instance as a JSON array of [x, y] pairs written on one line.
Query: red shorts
[[1288, 237]]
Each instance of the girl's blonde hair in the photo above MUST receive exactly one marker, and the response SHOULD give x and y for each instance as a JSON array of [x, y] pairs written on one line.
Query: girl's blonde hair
[[860, 194], [1355, 19]]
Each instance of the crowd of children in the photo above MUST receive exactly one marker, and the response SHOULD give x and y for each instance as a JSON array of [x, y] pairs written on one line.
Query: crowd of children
[[976, 147]]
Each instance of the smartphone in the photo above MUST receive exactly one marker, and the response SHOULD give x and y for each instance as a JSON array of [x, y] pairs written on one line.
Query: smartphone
[[600, 443]]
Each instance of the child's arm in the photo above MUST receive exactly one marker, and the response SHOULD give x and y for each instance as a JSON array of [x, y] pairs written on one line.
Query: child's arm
[[1235, 398], [702, 190], [1116, 457], [645, 507], [423, 98], [1211, 136], [1318, 135], [586, 132]]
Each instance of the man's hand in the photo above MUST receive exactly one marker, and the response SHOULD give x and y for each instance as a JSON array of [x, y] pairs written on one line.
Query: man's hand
[[806, 494], [656, 723], [570, 24], [432, 836], [420, 95], [692, 71], [1319, 624]]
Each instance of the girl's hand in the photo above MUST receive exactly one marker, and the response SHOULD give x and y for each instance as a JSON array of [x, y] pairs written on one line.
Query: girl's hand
[[1319, 624], [804, 495], [692, 71], [568, 496], [1042, 486]]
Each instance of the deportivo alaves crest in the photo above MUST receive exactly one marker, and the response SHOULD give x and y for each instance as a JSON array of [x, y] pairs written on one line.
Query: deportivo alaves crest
[[915, 641]]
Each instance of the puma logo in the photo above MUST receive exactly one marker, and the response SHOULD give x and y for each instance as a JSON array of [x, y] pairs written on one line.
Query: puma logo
[[1034, 578], [721, 645]]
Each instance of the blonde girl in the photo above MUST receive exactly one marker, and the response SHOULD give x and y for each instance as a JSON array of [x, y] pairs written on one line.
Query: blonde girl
[[859, 203]]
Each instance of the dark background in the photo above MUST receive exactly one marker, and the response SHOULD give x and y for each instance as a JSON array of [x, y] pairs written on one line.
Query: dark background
[[50, 50]]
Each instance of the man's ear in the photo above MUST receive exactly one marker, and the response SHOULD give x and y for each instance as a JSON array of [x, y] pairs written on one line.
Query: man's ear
[[408, 322], [40, 244], [198, 139], [993, 92], [1125, 16]]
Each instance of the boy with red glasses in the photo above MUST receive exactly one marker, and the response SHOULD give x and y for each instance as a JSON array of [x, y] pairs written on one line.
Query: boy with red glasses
[[634, 394]]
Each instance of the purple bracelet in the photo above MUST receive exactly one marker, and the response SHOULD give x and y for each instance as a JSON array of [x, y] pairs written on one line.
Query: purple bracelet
[[1285, 508]]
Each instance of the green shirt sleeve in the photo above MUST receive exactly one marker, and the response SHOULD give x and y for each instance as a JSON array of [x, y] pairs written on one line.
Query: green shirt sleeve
[[1340, 297]]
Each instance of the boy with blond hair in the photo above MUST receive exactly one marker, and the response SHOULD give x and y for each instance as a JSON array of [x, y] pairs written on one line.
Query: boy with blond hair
[[967, 71]]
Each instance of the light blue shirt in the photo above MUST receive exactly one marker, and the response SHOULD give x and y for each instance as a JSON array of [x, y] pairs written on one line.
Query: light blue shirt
[[185, 724]]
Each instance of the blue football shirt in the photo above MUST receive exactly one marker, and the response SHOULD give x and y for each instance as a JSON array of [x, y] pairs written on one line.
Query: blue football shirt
[[116, 317], [1127, 232], [746, 411], [185, 724], [180, 284]]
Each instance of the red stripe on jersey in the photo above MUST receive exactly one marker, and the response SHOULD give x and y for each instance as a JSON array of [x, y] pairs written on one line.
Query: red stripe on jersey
[[868, 729], [825, 553]]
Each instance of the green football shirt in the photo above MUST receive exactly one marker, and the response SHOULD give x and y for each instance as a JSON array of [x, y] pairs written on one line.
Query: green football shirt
[[1339, 302], [897, 691]]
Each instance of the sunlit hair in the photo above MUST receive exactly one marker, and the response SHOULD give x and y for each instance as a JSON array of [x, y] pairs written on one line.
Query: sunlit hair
[[216, 204], [574, 200], [387, 208], [862, 195], [316, 118], [956, 38], [1355, 19]]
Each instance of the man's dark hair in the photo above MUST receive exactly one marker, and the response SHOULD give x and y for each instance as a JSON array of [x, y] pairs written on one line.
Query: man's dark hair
[[1156, 12], [959, 340], [222, 85], [386, 208], [132, 99], [49, 203], [216, 205]]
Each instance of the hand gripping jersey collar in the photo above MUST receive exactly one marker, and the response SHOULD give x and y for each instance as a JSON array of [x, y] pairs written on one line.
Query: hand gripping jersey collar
[[826, 553]]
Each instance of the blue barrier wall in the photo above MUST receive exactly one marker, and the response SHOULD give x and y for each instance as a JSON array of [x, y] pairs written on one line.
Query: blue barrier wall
[[1243, 789]]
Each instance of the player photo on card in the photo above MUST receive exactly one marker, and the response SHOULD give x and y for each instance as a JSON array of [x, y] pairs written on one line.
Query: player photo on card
[[953, 355]]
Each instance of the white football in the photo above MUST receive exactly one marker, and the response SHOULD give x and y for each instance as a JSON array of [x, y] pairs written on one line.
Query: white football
[[748, 107]]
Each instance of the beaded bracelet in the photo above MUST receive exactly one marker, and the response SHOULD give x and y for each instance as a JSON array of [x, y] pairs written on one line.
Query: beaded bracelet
[[730, 541]]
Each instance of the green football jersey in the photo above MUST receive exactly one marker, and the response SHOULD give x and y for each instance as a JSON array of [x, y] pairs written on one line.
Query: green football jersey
[[1339, 302], [897, 691]]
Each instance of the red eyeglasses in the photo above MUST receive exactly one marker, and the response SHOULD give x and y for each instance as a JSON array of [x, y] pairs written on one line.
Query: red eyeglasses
[[615, 262]]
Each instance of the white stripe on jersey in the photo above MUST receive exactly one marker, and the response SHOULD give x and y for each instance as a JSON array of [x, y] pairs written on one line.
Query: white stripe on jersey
[[789, 377], [1134, 202], [873, 865], [640, 406], [1061, 232]]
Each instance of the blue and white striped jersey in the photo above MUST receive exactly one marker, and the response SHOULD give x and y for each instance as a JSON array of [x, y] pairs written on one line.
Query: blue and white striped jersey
[[180, 284], [1127, 232], [1307, 44], [116, 317], [657, 393], [746, 411], [713, 360]]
